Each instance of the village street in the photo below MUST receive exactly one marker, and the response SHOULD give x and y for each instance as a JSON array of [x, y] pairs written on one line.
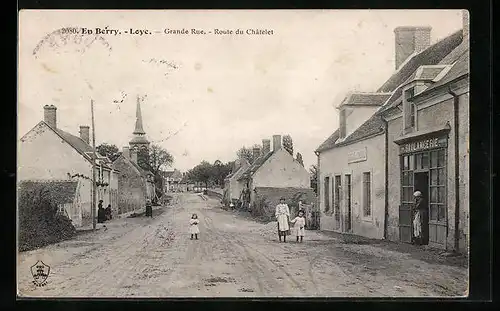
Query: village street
[[235, 256]]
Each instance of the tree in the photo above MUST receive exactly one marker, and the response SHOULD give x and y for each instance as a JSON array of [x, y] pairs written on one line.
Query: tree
[[202, 172], [154, 160], [220, 171], [108, 150], [245, 153], [299, 159], [313, 170], [288, 144]]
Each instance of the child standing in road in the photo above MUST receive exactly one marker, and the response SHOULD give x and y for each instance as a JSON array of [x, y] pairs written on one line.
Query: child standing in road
[[299, 227], [194, 230]]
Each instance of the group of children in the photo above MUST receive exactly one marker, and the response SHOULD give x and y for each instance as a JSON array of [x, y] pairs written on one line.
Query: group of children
[[282, 216]]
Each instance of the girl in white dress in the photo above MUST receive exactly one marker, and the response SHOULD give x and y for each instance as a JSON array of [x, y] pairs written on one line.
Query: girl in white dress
[[299, 225], [282, 215], [194, 230]]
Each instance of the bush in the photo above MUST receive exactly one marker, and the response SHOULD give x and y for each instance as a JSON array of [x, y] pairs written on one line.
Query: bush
[[39, 223]]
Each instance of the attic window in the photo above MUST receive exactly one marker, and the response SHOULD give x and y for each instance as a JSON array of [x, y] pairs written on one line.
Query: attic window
[[409, 108]]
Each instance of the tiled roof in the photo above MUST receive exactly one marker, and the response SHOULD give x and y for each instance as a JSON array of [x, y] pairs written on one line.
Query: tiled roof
[[59, 192], [140, 169], [366, 99], [81, 146], [429, 73], [329, 142], [256, 165], [373, 126], [167, 174], [452, 57], [430, 56], [459, 69], [444, 50]]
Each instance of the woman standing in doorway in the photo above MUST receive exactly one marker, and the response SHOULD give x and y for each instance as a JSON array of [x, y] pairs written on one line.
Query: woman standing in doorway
[[419, 214], [282, 217]]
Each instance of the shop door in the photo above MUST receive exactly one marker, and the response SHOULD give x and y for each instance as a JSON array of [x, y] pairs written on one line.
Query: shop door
[[437, 199], [348, 226], [422, 184], [405, 217]]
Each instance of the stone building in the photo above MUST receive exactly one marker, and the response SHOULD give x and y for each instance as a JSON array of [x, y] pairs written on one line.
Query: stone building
[[275, 169], [351, 163], [172, 181], [428, 129], [232, 187], [136, 185], [358, 165], [50, 155]]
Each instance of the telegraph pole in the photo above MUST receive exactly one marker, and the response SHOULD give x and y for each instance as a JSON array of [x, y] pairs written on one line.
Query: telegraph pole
[[93, 167]]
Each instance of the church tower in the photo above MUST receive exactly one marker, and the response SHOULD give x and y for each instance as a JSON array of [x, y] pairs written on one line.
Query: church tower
[[139, 141]]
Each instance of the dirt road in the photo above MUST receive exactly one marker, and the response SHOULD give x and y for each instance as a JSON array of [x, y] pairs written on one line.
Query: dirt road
[[235, 256]]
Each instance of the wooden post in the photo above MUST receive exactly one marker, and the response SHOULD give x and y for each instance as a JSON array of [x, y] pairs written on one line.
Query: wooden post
[[93, 167]]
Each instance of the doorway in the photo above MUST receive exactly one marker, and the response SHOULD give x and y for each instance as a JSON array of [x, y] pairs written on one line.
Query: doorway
[[348, 226], [421, 183]]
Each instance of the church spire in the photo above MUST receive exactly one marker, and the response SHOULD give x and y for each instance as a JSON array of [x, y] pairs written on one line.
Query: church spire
[[138, 121], [139, 140]]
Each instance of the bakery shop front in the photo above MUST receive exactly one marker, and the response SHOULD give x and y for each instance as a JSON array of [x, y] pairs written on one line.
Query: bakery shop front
[[423, 167]]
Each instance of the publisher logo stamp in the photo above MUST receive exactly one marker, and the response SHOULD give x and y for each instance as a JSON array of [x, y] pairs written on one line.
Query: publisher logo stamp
[[40, 272]]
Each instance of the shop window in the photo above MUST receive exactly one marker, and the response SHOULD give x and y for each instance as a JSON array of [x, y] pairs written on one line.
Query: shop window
[[367, 208]]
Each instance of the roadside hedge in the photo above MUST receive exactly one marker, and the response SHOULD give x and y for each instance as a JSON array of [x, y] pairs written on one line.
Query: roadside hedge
[[39, 224]]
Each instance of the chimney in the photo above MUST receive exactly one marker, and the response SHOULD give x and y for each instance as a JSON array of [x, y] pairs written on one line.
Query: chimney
[[409, 40], [465, 24], [49, 115], [133, 155], [266, 146], [85, 133], [276, 142], [126, 152], [256, 153]]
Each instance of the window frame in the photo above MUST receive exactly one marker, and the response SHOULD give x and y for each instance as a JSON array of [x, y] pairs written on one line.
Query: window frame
[[364, 217], [337, 196], [409, 109], [327, 194]]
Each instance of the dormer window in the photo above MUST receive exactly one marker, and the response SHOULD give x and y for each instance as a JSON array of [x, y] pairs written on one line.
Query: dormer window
[[342, 124], [409, 109]]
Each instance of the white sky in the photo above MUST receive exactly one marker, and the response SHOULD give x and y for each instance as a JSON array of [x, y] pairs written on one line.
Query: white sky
[[230, 91]]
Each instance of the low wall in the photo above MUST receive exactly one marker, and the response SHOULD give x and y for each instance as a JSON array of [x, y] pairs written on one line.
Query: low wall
[[216, 193]]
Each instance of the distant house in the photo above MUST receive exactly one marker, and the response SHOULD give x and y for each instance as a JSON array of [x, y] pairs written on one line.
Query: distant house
[[272, 169], [49, 154], [233, 187], [172, 181]]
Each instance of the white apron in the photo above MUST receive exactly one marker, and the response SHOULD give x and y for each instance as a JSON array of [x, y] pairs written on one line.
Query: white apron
[[282, 214], [417, 225], [193, 226]]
